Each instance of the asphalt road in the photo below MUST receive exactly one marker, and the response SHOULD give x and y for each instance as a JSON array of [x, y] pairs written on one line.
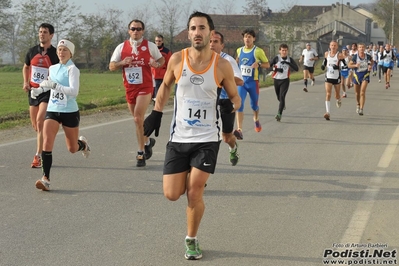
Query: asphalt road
[[302, 187]]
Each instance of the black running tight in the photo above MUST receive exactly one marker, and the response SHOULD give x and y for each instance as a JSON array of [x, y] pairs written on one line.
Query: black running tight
[[281, 87]]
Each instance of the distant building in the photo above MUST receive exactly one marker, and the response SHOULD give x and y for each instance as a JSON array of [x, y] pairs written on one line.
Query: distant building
[[231, 26], [377, 35], [319, 25]]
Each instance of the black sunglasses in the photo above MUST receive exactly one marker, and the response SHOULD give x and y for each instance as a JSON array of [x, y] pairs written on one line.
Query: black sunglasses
[[136, 29]]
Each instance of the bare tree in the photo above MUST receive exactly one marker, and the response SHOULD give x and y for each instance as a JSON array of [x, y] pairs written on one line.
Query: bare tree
[[206, 6], [383, 10], [60, 14], [56, 12], [10, 36], [4, 20], [28, 29], [226, 7], [4, 5], [170, 15], [85, 34], [256, 7], [287, 5], [186, 12], [143, 13], [97, 35], [286, 25], [114, 32]]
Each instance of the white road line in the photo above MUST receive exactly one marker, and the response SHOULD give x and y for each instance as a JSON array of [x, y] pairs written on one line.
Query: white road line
[[361, 216], [386, 157]]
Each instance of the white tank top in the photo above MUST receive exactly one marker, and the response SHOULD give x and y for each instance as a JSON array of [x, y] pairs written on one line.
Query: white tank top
[[363, 63], [331, 72], [196, 117], [285, 67]]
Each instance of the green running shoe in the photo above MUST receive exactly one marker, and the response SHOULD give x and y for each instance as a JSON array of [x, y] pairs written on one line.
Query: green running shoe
[[193, 251], [234, 156]]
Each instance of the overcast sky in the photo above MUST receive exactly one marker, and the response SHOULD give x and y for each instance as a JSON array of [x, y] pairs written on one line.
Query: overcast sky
[[92, 6], [274, 5]]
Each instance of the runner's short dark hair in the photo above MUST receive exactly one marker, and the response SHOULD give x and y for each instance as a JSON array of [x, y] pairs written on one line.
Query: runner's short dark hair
[[283, 45], [249, 31], [197, 14], [47, 26], [137, 21]]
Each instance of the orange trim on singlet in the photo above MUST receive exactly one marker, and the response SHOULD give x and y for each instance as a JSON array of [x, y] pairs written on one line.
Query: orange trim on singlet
[[181, 66], [215, 75], [185, 58]]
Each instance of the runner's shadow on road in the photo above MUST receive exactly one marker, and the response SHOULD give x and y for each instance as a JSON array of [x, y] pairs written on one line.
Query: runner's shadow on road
[[75, 192], [148, 167], [269, 171], [349, 195], [215, 255]]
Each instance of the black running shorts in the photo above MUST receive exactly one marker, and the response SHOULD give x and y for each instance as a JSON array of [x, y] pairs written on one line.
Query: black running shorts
[[180, 157], [66, 119]]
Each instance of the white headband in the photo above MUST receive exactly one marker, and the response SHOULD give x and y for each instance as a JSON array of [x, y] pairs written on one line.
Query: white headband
[[67, 44]]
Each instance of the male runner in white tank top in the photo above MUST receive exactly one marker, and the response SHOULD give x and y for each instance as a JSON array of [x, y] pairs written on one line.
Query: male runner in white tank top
[[195, 133], [332, 61]]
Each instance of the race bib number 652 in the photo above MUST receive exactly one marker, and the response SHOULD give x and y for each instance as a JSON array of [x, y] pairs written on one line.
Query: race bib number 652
[[134, 75]]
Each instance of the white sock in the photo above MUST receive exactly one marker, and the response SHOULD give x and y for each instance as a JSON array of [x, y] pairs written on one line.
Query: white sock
[[147, 143], [328, 106], [232, 149], [190, 237]]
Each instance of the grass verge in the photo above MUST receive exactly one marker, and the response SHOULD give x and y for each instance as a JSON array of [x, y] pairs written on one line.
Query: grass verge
[[98, 92]]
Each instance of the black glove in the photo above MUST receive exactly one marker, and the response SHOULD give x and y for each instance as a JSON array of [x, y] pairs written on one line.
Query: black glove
[[335, 67], [152, 122], [276, 69], [323, 65], [226, 106]]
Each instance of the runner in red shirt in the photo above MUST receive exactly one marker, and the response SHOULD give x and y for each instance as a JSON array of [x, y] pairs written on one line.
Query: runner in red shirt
[[37, 61], [136, 56]]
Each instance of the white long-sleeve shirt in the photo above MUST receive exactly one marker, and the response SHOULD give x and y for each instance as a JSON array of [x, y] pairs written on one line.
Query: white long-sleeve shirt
[[63, 97]]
